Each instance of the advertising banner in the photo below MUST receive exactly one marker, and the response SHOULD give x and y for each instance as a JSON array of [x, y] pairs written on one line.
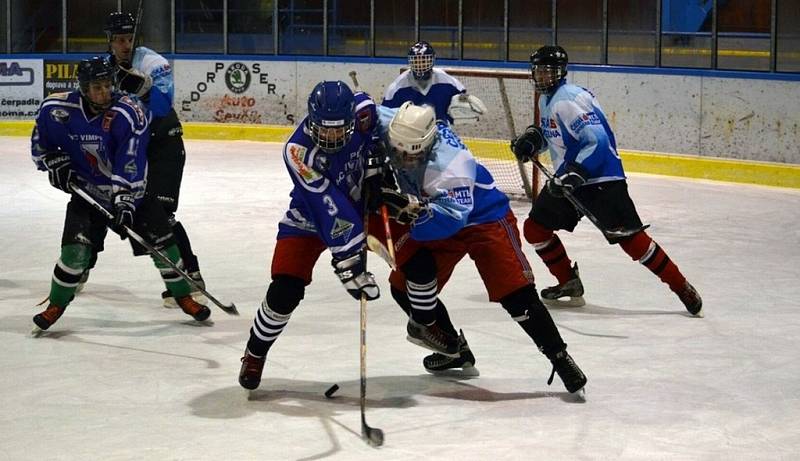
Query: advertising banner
[[236, 92], [20, 88], [60, 76]]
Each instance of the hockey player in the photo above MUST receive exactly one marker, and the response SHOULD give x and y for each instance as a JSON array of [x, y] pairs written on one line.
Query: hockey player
[[325, 157], [584, 155], [422, 84], [96, 139], [143, 73], [453, 209]]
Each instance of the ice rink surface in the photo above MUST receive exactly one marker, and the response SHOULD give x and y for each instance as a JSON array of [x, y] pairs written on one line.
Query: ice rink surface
[[120, 377]]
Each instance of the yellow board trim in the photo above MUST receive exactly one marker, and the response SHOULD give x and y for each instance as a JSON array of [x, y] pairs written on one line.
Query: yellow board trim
[[689, 166]]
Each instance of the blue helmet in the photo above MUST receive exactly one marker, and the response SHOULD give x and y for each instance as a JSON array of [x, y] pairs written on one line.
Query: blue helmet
[[421, 59], [331, 115], [94, 70]]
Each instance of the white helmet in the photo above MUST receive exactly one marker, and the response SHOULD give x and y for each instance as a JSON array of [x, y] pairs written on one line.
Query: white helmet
[[412, 132]]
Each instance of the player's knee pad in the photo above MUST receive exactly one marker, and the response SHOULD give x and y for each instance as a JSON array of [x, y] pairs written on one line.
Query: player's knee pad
[[421, 267], [76, 256], [284, 294], [535, 233], [638, 245], [401, 297], [518, 303]]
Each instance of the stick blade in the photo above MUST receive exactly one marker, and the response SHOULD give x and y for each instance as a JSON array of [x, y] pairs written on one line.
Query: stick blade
[[229, 309], [372, 435]]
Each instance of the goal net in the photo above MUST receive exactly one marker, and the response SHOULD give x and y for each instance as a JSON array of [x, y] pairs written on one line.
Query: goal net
[[509, 97]]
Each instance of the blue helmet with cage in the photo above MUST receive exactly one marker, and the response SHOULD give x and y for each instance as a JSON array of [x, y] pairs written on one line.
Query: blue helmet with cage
[[331, 115], [421, 59]]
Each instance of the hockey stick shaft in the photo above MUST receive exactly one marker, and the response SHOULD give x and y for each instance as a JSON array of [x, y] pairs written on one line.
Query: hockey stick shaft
[[371, 435], [229, 309], [609, 234], [354, 77], [139, 10], [387, 229]]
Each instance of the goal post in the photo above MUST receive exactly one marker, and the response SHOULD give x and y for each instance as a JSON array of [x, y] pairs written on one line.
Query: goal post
[[509, 97]]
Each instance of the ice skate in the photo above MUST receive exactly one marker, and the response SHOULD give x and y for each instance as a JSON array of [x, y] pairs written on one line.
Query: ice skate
[[432, 337], [46, 318], [572, 288], [169, 300], [462, 365], [198, 311], [691, 299], [572, 376], [250, 373]]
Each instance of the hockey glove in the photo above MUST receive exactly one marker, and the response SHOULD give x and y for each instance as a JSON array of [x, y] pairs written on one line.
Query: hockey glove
[[403, 208], [573, 178], [59, 170], [376, 164], [354, 276], [124, 210], [529, 144], [133, 81]]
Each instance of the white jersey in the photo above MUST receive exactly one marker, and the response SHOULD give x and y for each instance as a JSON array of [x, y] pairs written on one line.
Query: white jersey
[[437, 93]]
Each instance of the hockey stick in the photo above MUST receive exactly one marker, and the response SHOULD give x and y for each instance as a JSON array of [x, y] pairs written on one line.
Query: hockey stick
[[229, 309], [610, 235], [388, 231], [372, 435], [139, 11], [354, 78]]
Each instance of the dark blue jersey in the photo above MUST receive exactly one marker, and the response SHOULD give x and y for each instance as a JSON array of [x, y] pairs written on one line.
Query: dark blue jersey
[[107, 150], [437, 92], [326, 200]]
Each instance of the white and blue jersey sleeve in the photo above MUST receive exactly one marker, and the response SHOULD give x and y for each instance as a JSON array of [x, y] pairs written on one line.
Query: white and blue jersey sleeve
[[578, 132], [160, 97], [438, 93], [459, 191]]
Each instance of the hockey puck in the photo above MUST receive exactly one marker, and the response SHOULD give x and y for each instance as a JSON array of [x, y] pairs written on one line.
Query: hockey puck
[[331, 390]]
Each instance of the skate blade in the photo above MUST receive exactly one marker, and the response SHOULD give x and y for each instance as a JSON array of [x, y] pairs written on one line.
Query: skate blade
[[579, 395], [465, 372], [36, 332], [422, 344], [573, 301]]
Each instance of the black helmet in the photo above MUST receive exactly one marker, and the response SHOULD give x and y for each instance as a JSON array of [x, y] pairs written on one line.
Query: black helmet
[[119, 22], [421, 59], [92, 70], [551, 62]]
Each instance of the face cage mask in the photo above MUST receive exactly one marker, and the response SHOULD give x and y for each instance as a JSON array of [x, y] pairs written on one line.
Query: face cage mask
[[421, 66], [328, 139], [547, 84]]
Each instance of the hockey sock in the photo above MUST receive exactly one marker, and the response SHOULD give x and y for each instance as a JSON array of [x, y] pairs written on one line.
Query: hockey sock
[[267, 326], [423, 301], [527, 310], [442, 316], [549, 247], [640, 247], [185, 247], [67, 273], [176, 285]]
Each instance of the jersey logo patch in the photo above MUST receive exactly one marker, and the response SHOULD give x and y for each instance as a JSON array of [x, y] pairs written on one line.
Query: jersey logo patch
[[108, 117], [341, 228], [297, 157], [461, 195], [59, 115], [583, 120], [130, 168]]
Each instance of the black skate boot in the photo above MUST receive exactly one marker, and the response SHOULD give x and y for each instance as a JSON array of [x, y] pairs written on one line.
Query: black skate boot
[[573, 288], [432, 337], [48, 317], [462, 365], [169, 300], [198, 311], [572, 376], [250, 373], [691, 299]]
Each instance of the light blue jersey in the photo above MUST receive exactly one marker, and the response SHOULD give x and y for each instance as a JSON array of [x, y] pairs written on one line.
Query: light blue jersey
[[159, 98], [460, 191], [577, 132]]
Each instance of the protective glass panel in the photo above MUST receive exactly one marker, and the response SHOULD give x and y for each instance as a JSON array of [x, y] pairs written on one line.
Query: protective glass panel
[[394, 28], [529, 27], [155, 26], [686, 33], [788, 59], [438, 25], [198, 26], [632, 32], [300, 27], [348, 28], [580, 30], [36, 26], [483, 30], [250, 27], [743, 31], [85, 31]]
